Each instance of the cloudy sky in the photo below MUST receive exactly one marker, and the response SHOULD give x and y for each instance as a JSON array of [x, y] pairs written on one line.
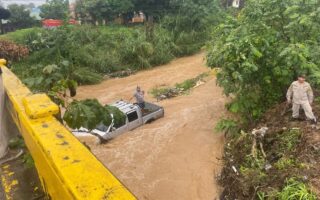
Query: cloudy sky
[[36, 2]]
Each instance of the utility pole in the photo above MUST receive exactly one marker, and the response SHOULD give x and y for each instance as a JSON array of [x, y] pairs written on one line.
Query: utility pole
[[3, 130]]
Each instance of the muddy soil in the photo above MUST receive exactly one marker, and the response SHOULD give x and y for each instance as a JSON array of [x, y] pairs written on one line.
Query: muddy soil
[[173, 158]]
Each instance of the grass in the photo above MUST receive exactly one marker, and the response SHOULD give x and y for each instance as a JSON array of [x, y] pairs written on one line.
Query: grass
[[295, 190], [19, 36], [285, 163], [289, 140]]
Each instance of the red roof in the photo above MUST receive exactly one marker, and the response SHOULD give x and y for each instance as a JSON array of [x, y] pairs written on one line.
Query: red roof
[[56, 22]]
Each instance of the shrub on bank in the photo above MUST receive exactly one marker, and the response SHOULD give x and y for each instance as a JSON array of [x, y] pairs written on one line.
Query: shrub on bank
[[100, 49]]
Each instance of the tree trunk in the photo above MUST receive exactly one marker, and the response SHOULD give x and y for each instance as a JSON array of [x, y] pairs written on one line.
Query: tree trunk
[[3, 129], [1, 27], [149, 28]]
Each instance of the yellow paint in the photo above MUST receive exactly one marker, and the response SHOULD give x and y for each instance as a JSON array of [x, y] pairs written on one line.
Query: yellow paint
[[39, 105], [8, 184], [66, 168], [3, 62]]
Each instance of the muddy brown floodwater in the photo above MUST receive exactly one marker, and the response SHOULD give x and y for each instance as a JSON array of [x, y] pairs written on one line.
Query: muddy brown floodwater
[[173, 158]]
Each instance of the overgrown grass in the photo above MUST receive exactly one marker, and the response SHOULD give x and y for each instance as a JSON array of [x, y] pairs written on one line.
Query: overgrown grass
[[99, 49], [19, 35], [295, 190]]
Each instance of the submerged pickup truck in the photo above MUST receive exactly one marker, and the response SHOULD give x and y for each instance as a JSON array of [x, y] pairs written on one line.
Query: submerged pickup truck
[[135, 117]]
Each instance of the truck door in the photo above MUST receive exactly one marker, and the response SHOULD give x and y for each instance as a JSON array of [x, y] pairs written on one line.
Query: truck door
[[133, 120]]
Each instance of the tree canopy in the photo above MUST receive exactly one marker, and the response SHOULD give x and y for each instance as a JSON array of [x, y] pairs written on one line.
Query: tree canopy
[[4, 13], [20, 16], [55, 9], [102, 9]]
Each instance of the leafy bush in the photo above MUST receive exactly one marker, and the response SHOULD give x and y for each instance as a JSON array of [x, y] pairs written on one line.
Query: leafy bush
[[12, 51], [119, 117], [100, 49], [85, 76], [43, 78], [90, 113], [228, 126], [261, 51]]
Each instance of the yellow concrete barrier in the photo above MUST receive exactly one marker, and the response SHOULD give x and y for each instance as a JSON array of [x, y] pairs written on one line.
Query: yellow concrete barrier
[[67, 169]]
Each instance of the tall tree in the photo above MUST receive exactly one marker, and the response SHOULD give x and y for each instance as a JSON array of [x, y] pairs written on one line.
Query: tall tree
[[100, 10], [20, 16], [4, 14], [55, 9], [152, 8]]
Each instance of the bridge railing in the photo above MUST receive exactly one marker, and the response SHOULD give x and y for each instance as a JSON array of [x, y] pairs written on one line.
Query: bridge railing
[[67, 169]]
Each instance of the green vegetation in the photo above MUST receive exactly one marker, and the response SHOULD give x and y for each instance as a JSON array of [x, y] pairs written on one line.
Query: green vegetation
[[228, 126], [60, 59], [20, 35], [295, 190], [93, 51], [16, 142], [20, 17], [55, 9], [278, 173], [180, 88], [90, 113], [262, 49], [285, 163], [289, 140], [28, 160]]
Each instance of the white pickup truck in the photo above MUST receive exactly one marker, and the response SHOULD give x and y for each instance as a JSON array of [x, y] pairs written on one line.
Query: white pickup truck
[[135, 117]]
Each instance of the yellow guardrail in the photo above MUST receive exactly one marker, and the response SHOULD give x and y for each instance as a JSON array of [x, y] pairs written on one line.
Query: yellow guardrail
[[66, 168]]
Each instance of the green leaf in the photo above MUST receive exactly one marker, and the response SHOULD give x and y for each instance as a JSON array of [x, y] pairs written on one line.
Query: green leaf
[[256, 52], [49, 69]]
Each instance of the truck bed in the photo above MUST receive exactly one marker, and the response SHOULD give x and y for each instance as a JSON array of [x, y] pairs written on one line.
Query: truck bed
[[150, 108]]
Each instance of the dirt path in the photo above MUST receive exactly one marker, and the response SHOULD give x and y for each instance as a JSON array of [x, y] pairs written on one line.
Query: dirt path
[[174, 158]]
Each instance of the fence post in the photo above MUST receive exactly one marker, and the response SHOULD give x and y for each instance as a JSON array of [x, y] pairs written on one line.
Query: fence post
[[3, 129]]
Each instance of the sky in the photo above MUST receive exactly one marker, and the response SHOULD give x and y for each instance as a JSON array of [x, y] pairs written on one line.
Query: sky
[[36, 2]]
